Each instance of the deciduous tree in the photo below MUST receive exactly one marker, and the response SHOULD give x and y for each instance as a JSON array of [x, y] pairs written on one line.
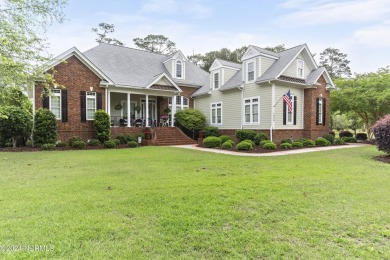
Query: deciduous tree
[[335, 62]]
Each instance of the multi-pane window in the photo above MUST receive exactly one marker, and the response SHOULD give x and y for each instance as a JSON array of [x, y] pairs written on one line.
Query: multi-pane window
[[179, 69], [252, 110], [55, 103], [290, 115], [300, 66], [251, 71], [91, 105], [320, 112], [216, 113], [216, 80], [181, 103]]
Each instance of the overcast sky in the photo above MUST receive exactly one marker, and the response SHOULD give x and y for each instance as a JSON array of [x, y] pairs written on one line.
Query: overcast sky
[[359, 28]]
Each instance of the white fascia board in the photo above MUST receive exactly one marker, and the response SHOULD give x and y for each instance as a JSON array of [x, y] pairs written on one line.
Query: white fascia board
[[216, 65], [246, 54], [166, 76], [328, 79]]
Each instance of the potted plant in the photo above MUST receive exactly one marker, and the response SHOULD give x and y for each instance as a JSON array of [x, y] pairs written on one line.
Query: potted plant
[[118, 107]]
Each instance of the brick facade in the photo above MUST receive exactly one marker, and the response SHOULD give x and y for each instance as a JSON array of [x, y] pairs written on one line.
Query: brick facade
[[163, 102]]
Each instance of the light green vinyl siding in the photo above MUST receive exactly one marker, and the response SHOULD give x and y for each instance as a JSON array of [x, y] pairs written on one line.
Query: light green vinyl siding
[[299, 93], [264, 92], [164, 81], [291, 70], [228, 74], [168, 65], [265, 64]]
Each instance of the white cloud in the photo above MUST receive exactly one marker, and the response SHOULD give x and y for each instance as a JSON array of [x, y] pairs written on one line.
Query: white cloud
[[374, 36], [192, 7], [320, 12]]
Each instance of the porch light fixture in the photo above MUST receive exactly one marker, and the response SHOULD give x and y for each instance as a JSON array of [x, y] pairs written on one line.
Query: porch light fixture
[[55, 86], [91, 89]]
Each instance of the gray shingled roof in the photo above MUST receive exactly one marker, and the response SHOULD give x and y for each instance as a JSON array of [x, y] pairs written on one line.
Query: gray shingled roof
[[137, 68], [234, 82], [229, 64], [314, 75]]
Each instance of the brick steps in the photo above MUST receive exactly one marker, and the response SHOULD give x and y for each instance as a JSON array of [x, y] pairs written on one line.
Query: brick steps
[[170, 136]]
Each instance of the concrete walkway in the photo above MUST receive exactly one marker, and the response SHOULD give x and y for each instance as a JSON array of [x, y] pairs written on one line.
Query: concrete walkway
[[279, 153]]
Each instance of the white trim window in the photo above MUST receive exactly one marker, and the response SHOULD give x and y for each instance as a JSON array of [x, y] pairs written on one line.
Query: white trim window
[[250, 66], [216, 80], [320, 112], [90, 105], [55, 103], [300, 68], [181, 103], [252, 110], [179, 69], [290, 115], [216, 113]]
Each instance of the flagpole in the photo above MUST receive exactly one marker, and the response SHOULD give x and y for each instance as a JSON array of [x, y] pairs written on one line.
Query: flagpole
[[281, 98]]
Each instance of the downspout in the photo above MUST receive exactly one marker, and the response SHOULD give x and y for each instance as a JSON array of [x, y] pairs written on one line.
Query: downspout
[[241, 88], [272, 111]]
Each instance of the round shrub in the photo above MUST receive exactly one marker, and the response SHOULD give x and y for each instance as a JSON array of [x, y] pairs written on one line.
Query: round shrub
[[210, 131], [382, 134], [60, 144], [245, 134], [361, 136], [73, 139], [285, 145], [320, 141], [48, 147], [251, 142], [211, 142], [102, 126], [116, 141], [132, 144], [93, 142], [227, 145], [109, 144], [286, 140], [124, 139], [78, 144], [244, 146], [230, 141], [191, 118], [309, 143], [297, 144], [225, 138], [270, 146], [349, 139], [345, 134], [262, 143], [339, 141], [45, 127], [260, 137], [15, 124], [329, 137]]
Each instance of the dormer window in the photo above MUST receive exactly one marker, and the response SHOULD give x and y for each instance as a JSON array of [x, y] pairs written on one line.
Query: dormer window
[[179, 69], [251, 71], [300, 67], [216, 80]]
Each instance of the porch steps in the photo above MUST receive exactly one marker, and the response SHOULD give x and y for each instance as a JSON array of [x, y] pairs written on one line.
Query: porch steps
[[170, 136]]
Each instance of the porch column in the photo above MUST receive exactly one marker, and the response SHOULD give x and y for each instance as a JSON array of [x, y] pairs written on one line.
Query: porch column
[[128, 111], [147, 110], [173, 111], [109, 103]]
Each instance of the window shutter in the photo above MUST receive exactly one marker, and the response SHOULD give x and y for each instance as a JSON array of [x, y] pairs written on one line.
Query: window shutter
[[99, 101], [64, 105], [295, 110], [317, 110], [323, 111], [45, 102], [284, 113], [83, 110]]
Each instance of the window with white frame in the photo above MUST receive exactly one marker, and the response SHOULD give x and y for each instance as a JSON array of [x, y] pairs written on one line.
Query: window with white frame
[[179, 69], [181, 103], [216, 113], [300, 66], [320, 112], [252, 110], [216, 80], [250, 71], [290, 115], [91, 105], [55, 103]]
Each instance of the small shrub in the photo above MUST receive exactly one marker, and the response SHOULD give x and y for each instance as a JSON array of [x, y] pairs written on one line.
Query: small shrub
[[102, 126], [244, 146], [251, 142], [345, 134], [302, 140], [339, 141], [349, 139], [262, 143], [124, 139], [227, 145], [73, 139], [361, 136], [260, 137], [329, 137], [78, 144], [297, 144], [45, 127], [270, 146], [48, 147], [61, 144], [320, 141], [116, 141], [309, 143], [225, 138], [285, 146], [286, 140], [211, 131], [132, 144], [94, 142], [191, 118], [211, 142], [332, 133], [231, 141], [381, 131], [245, 134], [109, 144]]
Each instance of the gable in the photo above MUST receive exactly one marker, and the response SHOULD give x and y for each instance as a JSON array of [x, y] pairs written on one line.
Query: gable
[[309, 64], [250, 53]]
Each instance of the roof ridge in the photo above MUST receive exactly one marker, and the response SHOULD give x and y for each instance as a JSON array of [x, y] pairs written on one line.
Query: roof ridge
[[131, 48]]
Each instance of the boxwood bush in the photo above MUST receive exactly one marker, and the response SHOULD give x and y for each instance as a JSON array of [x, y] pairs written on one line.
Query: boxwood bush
[[78, 144], [286, 140], [251, 142], [93, 142], [102, 126], [73, 139], [210, 131], [285, 146], [212, 141], [339, 141], [132, 144], [297, 144], [349, 139], [270, 146], [361, 136], [262, 143], [382, 134], [191, 118], [227, 145], [60, 144], [329, 137], [320, 141], [116, 141], [309, 143], [109, 144], [48, 147], [244, 146], [225, 138], [231, 141], [260, 137], [245, 134], [45, 127]]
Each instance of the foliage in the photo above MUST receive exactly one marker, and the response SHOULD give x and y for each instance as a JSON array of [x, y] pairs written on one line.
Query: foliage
[[15, 124], [345, 133], [73, 139], [93, 142], [287, 140], [78, 144], [116, 141], [227, 145], [191, 118], [102, 126], [211, 142], [109, 144], [210, 131], [262, 143], [156, 43], [15, 96], [277, 48], [339, 141], [244, 146], [269, 146], [340, 122], [45, 127], [244, 134], [330, 138], [320, 141], [124, 139], [309, 143], [285, 145], [260, 137], [102, 31], [60, 144], [225, 138], [361, 136], [335, 62], [366, 95], [297, 144], [132, 144], [251, 142], [48, 147], [382, 134], [349, 139]]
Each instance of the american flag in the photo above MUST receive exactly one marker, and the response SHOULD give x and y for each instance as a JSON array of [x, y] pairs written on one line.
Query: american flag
[[287, 99]]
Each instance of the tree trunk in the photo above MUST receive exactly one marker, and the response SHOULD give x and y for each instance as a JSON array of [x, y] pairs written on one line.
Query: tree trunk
[[14, 142]]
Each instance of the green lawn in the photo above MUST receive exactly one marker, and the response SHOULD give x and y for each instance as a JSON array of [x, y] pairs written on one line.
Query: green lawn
[[161, 203]]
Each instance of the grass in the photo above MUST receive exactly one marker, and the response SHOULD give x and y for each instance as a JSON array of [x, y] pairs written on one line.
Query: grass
[[163, 203]]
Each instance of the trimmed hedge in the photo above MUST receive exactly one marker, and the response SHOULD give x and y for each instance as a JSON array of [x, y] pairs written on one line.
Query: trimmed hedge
[[361, 136], [345, 134], [191, 118], [338, 141], [109, 144], [309, 143], [78, 144], [382, 134], [260, 137], [45, 127], [73, 139], [262, 143], [231, 141], [48, 147], [349, 139], [210, 131], [329, 137], [270, 146], [132, 144], [212, 142], [286, 140], [102, 126], [245, 134], [297, 144], [93, 142], [244, 146], [320, 141], [227, 145], [60, 144], [251, 142], [285, 146], [225, 138], [116, 141]]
